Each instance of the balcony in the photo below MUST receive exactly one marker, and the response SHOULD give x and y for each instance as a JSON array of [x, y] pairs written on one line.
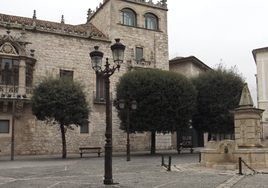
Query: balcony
[[100, 98]]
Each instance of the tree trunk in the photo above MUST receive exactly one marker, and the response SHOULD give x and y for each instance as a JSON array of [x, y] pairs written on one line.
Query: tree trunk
[[64, 152], [153, 143]]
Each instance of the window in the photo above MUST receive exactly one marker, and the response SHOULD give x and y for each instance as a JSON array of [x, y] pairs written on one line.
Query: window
[[100, 88], [128, 17], [4, 126], [66, 73], [9, 71], [150, 21], [84, 128], [29, 75], [139, 53]]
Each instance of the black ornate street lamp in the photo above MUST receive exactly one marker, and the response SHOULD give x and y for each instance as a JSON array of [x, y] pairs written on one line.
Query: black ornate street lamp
[[96, 60], [133, 107]]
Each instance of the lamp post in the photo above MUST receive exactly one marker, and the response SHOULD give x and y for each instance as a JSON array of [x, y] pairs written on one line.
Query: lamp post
[[133, 107], [96, 59]]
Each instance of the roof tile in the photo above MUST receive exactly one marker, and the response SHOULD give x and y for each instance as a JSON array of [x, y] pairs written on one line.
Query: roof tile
[[48, 25]]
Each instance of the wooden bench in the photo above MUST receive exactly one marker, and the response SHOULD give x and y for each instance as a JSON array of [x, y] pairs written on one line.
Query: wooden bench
[[96, 149], [185, 145]]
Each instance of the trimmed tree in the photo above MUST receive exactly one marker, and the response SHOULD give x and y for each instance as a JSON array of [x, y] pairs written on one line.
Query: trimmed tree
[[166, 101], [219, 91], [60, 100]]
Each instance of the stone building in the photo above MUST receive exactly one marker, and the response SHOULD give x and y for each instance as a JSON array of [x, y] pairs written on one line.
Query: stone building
[[260, 56], [189, 67], [31, 49]]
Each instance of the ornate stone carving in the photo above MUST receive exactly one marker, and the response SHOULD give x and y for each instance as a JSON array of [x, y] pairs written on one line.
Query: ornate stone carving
[[18, 109], [5, 105], [7, 48], [150, 2], [141, 63], [89, 14], [163, 2]]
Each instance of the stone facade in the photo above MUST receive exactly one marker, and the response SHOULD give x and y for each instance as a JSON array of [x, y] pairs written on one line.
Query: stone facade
[[188, 66], [50, 47], [261, 59]]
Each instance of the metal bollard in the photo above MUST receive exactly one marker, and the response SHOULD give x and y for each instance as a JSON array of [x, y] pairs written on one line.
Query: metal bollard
[[169, 164], [240, 166], [199, 156], [163, 163]]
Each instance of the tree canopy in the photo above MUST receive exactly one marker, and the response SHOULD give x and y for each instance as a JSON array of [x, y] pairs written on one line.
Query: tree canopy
[[62, 100], [219, 91], [165, 100]]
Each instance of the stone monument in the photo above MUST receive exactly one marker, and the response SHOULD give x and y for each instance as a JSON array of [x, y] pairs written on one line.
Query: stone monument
[[247, 122], [247, 144]]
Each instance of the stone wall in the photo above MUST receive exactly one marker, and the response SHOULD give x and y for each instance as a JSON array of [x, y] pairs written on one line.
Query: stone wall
[[163, 141], [54, 52], [131, 37], [185, 68]]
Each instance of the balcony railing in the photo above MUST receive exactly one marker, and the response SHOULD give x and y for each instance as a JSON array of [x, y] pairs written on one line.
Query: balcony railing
[[14, 90], [9, 89], [100, 97]]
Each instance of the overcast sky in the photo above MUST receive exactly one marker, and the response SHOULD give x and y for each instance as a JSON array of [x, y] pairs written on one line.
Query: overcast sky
[[214, 31]]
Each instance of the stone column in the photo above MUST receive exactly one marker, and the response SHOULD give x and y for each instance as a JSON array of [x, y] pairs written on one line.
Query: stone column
[[22, 77]]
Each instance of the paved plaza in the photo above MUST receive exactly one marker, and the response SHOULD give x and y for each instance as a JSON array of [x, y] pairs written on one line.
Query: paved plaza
[[143, 171]]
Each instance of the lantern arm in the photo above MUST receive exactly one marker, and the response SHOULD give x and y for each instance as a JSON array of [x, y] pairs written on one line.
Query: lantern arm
[[128, 106], [108, 71]]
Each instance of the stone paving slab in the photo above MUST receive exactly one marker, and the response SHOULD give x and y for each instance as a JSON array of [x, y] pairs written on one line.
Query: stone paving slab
[[253, 181], [143, 171]]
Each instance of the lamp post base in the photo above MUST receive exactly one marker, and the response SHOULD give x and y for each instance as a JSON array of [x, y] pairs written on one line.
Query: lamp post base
[[128, 151], [108, 176], [108, 181]]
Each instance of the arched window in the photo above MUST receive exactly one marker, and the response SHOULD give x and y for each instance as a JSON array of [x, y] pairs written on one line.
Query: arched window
[[128, 17], [150, 21]]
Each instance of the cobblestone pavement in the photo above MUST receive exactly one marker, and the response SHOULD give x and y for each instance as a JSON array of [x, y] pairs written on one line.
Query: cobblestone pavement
[[143, 171]]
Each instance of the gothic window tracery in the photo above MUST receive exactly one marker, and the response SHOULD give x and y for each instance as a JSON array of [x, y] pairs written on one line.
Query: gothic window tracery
[[16, 65], [7, 48]]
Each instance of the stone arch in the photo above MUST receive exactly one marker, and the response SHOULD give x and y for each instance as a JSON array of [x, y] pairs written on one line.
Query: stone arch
[[129, 7], [13, 44], [151, 21], [151, 12]]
